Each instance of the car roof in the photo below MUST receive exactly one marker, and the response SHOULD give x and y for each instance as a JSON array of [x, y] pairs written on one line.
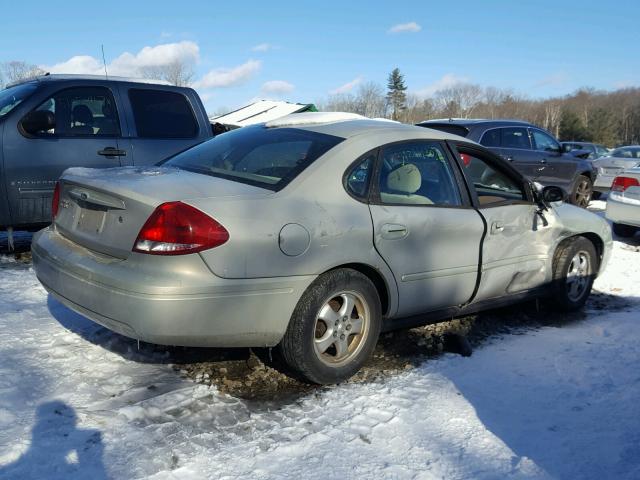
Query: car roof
[[56, 77], [468, 122], [349, 128]]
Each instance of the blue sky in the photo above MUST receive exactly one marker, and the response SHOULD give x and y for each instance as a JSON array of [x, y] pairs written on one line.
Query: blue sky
[[302, 51]]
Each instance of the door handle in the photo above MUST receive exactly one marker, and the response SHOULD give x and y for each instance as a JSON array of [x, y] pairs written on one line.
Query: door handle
[[392, 231], [509, 158], [497, 227], [544, 160], [112, 152]]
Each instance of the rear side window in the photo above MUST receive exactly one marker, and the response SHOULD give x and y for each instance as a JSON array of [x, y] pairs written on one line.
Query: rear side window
[[491, 138], [358, 178], [161, 114], [265, 157], [417, 174], [515, 138]]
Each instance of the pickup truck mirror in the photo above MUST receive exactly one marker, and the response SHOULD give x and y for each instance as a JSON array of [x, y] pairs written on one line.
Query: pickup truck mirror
[[38, 121], [553, 194]]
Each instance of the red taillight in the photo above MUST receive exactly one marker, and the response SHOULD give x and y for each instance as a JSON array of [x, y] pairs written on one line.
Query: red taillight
[[175, 228], [620, 184], [466, 159], [55, 201]]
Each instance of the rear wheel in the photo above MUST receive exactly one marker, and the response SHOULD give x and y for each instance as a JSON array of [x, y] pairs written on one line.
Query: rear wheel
[[334, 328], [624, 231], [574, 268], [581, 195]]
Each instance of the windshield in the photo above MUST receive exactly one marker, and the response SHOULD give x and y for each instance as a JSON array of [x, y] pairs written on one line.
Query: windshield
[[265, 157], [11, 97]]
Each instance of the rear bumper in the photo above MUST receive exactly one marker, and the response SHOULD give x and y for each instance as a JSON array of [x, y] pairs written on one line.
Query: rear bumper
[[603, 182], [619, 211], [166, 300]]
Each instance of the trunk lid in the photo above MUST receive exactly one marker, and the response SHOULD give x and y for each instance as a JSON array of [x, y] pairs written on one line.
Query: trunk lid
[[104, 209]]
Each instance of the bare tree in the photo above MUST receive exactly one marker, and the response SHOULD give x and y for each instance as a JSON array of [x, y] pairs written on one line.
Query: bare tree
[[460, 100], [16, 71], [370, 100], [179, 72]]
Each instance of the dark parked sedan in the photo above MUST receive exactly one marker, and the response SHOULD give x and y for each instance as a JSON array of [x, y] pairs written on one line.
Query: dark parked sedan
[[532, 151]]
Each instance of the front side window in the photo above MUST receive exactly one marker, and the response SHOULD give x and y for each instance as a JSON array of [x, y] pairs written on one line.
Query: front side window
[[491, 183], [417, 174], [515, 137], [265, 157], [160, 114], [546, 142], [82, 112]]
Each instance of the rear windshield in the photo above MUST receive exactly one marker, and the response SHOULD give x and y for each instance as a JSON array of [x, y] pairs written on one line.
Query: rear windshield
[[447, 128], [268, 158], [11, 97]]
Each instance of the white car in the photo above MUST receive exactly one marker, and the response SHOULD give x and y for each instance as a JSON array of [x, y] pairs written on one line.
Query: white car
[[623, 204]]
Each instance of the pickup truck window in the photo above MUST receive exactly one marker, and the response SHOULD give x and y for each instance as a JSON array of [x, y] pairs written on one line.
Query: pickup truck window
[[11, 97], [265, 157], [161, 114], [82, 112]]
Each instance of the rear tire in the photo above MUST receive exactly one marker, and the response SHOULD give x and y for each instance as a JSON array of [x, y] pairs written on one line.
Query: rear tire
[[334, 328], [624, 231], [575, 265], [582, 192]]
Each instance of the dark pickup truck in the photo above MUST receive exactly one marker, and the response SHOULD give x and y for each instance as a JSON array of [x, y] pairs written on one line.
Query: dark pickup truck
[[54, 122]]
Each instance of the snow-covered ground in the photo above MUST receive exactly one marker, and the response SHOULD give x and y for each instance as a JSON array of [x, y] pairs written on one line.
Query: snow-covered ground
[[77, 401]]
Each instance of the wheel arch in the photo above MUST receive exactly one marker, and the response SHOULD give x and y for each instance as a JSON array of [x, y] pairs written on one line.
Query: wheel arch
[[594, 238], [378, 280]]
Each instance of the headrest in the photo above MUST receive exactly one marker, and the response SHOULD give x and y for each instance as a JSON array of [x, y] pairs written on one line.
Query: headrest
[[82, 114], [107, 109], [405, 179]]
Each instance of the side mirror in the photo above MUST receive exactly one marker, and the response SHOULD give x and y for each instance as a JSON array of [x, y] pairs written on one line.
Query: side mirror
[[552, 194], [38, 121]]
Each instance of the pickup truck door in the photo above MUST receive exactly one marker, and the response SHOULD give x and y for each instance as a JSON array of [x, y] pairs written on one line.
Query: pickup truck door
[[161, 122], [86, 134], [424, 227], [515, 249]]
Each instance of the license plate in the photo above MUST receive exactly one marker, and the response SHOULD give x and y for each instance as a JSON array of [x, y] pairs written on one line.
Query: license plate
[[90, 221]]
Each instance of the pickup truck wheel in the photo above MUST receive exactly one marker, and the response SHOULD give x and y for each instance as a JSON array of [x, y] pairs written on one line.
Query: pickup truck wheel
[[334, 328], [624, 231], [575, 265], [581, 195]]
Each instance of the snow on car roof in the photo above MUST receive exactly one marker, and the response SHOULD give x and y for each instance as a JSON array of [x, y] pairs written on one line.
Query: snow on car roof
[[313, 118]]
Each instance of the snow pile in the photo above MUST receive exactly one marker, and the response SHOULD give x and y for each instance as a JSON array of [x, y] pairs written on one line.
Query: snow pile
[[77, 401]]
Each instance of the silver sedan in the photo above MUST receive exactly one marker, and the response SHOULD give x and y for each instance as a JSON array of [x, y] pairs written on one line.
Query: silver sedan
[[312, 233], [612, 165]]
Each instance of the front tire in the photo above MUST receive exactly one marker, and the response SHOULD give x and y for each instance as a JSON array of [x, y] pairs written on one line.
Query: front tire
[[624, 231], [575, 265], [581, 195], [334, 328]]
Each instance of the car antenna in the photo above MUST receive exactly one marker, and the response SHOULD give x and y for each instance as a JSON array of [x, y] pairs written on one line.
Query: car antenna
[[104, 62]]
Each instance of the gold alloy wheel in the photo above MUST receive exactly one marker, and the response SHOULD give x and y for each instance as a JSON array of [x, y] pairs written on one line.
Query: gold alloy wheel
[[341, 327]]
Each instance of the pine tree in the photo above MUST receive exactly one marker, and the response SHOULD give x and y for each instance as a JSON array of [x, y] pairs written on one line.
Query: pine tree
[[396, 96]]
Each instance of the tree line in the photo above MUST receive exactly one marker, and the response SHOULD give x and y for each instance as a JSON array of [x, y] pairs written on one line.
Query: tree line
[[608, 117]]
